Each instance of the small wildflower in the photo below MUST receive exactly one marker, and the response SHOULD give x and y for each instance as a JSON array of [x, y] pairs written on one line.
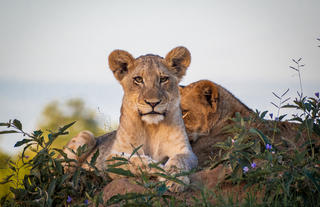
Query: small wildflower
[[27, 157], [317, 94], [233, 141], [69, 199], [271, 115], [86, 202], [253, 165], [245, 169], [273, 152], [277, 118], [268, 146]]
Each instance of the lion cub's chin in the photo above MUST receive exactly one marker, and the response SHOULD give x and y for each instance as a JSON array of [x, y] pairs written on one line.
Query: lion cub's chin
[[152, 118]]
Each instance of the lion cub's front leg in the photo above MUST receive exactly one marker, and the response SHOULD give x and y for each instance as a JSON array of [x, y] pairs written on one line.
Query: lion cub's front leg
[[136, 164], [83, 138], [177, 164]]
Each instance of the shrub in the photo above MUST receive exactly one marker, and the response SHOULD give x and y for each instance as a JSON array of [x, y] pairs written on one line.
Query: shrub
[[288, 175]]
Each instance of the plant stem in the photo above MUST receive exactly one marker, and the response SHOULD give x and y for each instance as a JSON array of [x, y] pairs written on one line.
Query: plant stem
[[301, 91]]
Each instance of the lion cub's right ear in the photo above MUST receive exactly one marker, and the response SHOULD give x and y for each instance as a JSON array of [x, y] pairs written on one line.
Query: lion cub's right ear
[[120, 62]]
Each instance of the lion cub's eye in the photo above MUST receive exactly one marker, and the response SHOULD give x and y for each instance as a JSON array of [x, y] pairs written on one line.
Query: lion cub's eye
[[138, 79], [164, 79]]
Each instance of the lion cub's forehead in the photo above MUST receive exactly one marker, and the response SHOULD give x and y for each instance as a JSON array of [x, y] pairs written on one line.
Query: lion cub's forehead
[[150, 63]]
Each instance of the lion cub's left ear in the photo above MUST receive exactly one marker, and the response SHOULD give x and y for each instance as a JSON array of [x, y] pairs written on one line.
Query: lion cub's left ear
[[178, 60]]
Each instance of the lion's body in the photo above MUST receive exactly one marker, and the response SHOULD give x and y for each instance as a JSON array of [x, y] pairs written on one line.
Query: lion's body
[[150, 114]]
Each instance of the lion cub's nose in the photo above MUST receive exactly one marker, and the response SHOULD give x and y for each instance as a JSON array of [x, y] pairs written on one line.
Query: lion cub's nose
[[152, 103]]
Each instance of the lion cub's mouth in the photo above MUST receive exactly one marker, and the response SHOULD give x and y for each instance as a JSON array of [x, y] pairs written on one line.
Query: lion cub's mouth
[[152, 113]]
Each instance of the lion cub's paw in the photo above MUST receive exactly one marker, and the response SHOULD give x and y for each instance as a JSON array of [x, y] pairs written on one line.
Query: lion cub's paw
[[177, 187], [83, 138]]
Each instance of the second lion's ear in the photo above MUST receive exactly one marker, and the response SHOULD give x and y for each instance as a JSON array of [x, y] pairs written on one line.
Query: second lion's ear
[[211, 94], [120, 62], [178, 60]]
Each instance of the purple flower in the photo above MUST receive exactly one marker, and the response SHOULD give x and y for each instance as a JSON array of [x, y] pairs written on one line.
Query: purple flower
[[271, 115], [277, 118], [26, 156], [245, 169], [253, 165], [86, 202], [317, 94], [69, 199], [268, 146]]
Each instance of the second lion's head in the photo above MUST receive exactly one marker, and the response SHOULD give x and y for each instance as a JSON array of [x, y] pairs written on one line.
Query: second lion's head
[[150, 82]]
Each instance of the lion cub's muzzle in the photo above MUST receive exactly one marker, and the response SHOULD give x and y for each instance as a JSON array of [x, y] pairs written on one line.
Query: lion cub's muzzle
[[152, 111]]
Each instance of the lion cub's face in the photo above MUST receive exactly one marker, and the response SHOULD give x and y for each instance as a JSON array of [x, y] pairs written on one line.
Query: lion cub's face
[[199, 102], [150, 82]]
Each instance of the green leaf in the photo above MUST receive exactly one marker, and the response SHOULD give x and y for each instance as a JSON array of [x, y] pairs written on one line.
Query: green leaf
[[313, 180], [62, 129], [135, 151], [37, 133], [26, 182], [17, 124], [120, 171], [7, 179], [8, 132], [241, 147], [117, 159], [316, 129], [125, 197], [52, 187], [263, 114], [289, 106], [222, 145], [161, 189], [94, 158], [22, 142], [61, 152], [63, 178], [282, 116], [117, 164], [263, 137], [155, 165], [168, 177], [75, 178]]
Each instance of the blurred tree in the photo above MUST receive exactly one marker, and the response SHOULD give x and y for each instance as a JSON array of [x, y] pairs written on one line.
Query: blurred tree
[[5, 171], [53, 116], [3, 159], [56, 115]]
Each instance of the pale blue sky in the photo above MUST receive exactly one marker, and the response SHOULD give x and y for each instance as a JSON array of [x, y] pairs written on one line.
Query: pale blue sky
[[55, 50]]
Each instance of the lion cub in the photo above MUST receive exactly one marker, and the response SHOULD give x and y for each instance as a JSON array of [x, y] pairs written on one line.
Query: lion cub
[[150, 114]]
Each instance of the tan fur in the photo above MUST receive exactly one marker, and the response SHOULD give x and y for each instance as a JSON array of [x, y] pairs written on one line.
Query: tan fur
[[207, 106], [150, 113]]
